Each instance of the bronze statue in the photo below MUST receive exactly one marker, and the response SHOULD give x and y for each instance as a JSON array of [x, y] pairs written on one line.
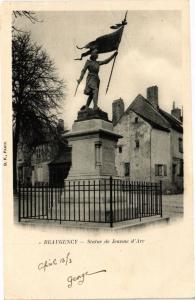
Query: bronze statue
[[93, 81]]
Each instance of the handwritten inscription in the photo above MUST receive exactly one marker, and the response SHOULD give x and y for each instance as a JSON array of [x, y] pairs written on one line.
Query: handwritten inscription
[[81, 278], [52, 262], [66, 260]]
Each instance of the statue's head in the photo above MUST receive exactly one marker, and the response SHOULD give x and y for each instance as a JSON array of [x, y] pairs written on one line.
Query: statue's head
[[94, 54]]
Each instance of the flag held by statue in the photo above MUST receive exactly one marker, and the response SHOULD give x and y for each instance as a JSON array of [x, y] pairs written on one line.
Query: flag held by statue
[[106, 43]]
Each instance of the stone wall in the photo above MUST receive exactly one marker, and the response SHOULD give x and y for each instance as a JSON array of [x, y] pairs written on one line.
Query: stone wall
[[135, 146], [160, 156], [140, 150], [146, 149]]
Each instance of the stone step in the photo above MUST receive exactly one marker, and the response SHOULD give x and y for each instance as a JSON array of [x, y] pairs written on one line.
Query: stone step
[[96, 226]]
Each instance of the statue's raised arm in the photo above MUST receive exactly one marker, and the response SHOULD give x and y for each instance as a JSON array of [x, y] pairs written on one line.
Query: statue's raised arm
[[106, 61]]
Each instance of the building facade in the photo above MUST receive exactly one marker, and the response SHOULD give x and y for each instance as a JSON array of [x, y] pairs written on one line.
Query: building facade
[[48, 163], [152, 145]]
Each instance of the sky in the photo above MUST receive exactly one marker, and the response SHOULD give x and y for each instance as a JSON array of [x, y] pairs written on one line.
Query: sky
[[150, 53]]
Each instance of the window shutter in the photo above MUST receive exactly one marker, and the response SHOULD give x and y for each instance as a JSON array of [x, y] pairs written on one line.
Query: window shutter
[[156, 170], [127, 169], [165, 170]]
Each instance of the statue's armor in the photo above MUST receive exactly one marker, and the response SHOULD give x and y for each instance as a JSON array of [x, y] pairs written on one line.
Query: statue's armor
[[92, 81]]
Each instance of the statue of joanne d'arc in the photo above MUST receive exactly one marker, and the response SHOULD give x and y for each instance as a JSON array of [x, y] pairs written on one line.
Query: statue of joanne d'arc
[[93, 81]]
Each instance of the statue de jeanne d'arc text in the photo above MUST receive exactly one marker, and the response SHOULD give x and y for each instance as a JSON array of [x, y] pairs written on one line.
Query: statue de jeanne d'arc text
[[103, 44]]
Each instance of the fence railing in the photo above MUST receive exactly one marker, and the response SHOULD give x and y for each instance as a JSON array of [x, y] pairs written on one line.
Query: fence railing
[[100, 201]]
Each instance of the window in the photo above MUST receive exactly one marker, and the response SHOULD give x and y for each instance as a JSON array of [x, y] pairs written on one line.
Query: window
[[137, 143], [127, 169], [160, 170], [180, 140], [136, 119], [120, 149], [165, 170], [180, 168]]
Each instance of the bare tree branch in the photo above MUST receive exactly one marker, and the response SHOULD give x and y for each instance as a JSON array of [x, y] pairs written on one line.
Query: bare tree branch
[[30, 15], [37, 93]]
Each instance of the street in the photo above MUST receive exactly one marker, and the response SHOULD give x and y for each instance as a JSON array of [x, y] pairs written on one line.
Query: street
[[172, 205]]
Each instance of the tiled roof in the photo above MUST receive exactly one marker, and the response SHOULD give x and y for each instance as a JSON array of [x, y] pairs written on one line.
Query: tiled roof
[[157, 118], [175, 123], [143, 108]]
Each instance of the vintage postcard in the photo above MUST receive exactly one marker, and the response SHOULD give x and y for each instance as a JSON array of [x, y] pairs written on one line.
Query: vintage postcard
[[97, 150]]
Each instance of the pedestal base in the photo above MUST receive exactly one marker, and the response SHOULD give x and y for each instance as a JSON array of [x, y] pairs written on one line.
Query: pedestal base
[[89, 114], [93, 145]]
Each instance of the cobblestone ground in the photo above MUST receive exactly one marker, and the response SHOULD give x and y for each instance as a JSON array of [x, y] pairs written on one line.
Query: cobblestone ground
[[172, 205]]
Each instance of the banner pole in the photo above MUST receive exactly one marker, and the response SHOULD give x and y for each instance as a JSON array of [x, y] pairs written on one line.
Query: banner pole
[[115, 56], [110, 75], [76, 89]]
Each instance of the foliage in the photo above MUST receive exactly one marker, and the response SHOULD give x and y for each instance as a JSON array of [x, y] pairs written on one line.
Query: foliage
[[37, 90], [37, 93]]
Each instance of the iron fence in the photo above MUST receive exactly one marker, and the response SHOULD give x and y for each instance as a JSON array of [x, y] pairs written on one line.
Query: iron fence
[[101, 201]]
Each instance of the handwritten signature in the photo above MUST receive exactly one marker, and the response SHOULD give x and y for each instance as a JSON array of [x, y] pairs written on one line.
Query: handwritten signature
[[66, 260], [80, 279]]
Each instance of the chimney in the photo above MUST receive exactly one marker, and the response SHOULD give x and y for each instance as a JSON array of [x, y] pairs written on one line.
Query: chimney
[[152, 95], [60, 126], [176, 112], [118, 109]]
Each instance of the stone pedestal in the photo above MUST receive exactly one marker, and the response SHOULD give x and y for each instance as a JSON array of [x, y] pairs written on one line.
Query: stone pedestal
[[93, 145]]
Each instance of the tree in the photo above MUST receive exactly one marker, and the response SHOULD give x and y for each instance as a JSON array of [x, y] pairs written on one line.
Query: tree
[[37, 94], [30, 15]]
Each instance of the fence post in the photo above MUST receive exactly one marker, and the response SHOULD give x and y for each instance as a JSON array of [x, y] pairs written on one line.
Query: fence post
[[156, 198], [140, 205], [61, 207], [111, 212], [42, 196], [19, 203], [161, 198], [51, 196]]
